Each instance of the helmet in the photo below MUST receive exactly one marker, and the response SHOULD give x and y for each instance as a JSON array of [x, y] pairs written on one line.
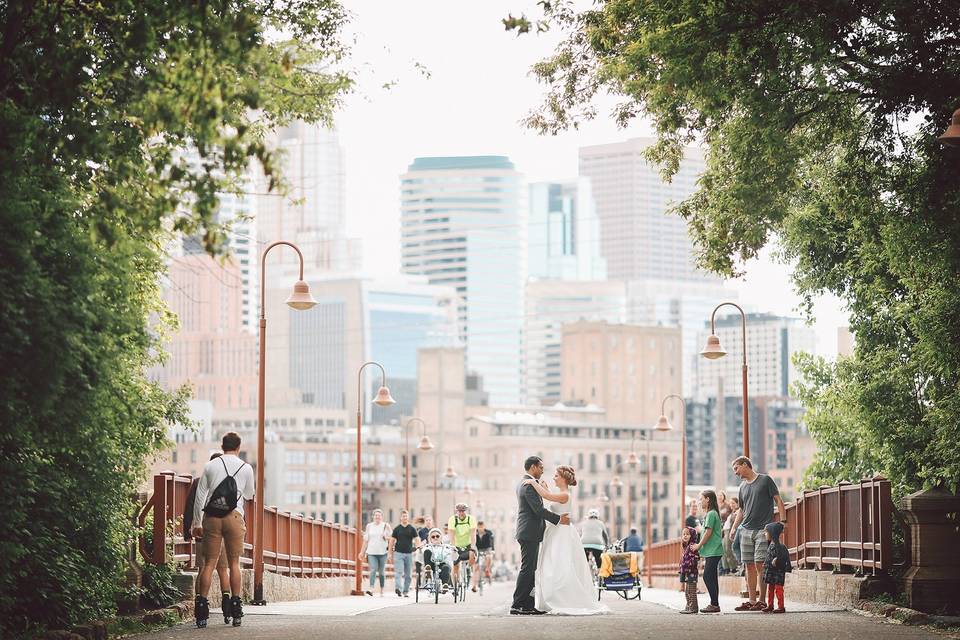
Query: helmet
[[593, 513], [461, 506]]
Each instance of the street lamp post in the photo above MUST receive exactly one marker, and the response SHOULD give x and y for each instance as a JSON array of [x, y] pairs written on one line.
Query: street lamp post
[[663, 424], [300, 300], [713, 351], [615, 483], [426, 445], [383, 399], [448, 473], [406, 488]]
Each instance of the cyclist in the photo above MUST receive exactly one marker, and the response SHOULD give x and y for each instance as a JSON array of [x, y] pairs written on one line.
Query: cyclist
[[593, 536], [485, 551], [463, 531], [443, 554]]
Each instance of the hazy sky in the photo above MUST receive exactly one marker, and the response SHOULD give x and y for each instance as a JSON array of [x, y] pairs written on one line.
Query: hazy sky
[[477, 91]]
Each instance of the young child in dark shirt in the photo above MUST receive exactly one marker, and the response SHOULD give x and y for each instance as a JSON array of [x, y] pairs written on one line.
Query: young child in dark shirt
[[689, 569], [776, 567]]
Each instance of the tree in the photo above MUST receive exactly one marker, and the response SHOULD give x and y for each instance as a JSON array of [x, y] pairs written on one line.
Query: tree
[[819, 120], [98, 102]]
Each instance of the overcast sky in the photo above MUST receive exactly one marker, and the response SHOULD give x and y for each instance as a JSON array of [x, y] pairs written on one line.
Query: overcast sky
[[478, 89]]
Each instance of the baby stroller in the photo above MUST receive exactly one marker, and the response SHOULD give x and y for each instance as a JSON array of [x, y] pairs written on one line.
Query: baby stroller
[[620, 573]]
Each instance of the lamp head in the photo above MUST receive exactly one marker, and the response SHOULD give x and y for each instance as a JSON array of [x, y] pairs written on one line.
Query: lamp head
[[425, 444], [604, 498], [951, 137], [449, 473], [663, 424], [713, 350], [383, 399], [616, 482], [632, 458], [301, 299]]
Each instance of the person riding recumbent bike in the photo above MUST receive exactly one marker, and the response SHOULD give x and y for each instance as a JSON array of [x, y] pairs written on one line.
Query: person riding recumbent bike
[[438, 561]]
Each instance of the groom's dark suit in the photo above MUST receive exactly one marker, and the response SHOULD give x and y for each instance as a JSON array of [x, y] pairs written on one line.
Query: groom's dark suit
[[531, 515]]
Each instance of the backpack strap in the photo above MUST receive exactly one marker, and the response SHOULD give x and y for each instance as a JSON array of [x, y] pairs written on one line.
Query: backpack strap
[[242, 465]]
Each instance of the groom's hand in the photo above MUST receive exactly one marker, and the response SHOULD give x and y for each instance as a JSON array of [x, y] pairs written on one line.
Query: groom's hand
[[565, 518]]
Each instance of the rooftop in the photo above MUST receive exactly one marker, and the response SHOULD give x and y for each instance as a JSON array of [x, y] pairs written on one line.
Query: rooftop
[[434, 163]]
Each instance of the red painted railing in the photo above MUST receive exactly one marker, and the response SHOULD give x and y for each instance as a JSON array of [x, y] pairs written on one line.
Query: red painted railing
[[293, 545], [849, 525]]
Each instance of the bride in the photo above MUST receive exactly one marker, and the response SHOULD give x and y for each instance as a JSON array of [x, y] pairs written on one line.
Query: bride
[[564, 585]]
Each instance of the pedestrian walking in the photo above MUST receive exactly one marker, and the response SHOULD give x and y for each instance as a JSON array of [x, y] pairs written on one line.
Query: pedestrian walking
[[227, 482], [689, 568], [710, 548], [376, 538], [223, 573], [403, 541], [758, 496], [775, 567]]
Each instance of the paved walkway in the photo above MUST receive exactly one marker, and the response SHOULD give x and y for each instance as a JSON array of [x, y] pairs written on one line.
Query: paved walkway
[[655, 616]]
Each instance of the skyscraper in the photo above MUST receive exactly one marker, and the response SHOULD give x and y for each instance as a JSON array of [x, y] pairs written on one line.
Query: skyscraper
[[550, 304], [638, 238], [563, 238], [463, 224], [312, 212]]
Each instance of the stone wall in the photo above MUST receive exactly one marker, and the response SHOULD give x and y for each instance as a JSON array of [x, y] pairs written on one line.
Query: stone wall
[[276, 588]]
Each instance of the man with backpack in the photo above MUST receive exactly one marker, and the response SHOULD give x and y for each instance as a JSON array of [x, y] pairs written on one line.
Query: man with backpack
[[226, 482], [202, 560]]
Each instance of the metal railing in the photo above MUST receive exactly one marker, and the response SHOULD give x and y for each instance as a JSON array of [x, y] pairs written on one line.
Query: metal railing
[[293, 545], [849, 525]]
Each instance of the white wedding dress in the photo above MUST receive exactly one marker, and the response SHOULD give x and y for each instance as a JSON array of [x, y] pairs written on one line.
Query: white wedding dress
[[564, 585]]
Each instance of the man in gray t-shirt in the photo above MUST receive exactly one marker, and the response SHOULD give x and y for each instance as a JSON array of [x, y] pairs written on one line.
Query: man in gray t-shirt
[[758, 495]]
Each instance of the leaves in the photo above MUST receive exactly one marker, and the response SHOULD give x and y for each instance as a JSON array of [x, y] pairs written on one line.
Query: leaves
[[98, 104], [819, 121]]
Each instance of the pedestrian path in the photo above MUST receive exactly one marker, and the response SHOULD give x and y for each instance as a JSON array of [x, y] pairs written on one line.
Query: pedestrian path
[[675, 599], [344, 606]]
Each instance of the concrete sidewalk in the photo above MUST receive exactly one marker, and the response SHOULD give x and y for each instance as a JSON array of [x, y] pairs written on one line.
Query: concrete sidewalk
[[342, 606], [677, 601]]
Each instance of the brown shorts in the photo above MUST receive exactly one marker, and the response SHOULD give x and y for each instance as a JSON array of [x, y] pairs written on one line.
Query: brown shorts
[[202, 557], [230, 529]]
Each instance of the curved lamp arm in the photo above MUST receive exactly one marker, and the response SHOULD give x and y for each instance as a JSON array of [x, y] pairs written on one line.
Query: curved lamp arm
[[383, 379], [743, 324], [263, 269]]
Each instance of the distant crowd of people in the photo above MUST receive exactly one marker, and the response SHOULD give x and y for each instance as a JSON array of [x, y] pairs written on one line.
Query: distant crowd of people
[[419, 546]]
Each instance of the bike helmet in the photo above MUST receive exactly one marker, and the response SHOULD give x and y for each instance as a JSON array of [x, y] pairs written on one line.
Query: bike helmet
[[461, 506], [593, 513]]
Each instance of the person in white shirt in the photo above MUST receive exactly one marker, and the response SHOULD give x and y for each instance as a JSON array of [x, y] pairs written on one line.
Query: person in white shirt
[[216, 528], [376, 538]]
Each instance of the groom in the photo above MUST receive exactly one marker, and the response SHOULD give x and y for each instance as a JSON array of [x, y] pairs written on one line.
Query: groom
[[530, 525]]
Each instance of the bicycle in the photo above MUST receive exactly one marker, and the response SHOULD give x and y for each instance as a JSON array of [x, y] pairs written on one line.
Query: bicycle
[[483, 560]]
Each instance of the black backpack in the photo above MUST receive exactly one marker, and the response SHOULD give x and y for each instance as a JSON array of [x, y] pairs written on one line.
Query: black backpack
[[223, 500]]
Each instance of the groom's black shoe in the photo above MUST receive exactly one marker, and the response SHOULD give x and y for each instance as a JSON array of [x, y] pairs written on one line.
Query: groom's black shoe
[[517, 612], [535, 612]]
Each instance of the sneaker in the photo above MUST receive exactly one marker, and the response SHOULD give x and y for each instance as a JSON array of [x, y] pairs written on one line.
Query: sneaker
[[406, 594], [710, 608], [474, 589], [760, 606], [398, 593], [746, 606], [369, 593], [688, 610]]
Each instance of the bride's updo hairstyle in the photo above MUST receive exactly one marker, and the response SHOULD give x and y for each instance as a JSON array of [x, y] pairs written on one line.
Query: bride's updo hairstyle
[[568, 474]]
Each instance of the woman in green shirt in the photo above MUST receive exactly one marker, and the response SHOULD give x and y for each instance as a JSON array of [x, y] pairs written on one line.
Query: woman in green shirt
[[711, 548]]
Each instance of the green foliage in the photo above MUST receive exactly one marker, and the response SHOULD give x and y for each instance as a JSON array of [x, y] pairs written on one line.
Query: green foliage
[[158, 588], [97, 103], [820, 121]]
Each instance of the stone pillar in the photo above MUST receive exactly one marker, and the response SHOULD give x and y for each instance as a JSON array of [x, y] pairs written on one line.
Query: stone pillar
[[933, 579]]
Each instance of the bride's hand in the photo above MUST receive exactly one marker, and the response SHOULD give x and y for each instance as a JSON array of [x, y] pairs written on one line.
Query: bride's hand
[[530, 481]]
